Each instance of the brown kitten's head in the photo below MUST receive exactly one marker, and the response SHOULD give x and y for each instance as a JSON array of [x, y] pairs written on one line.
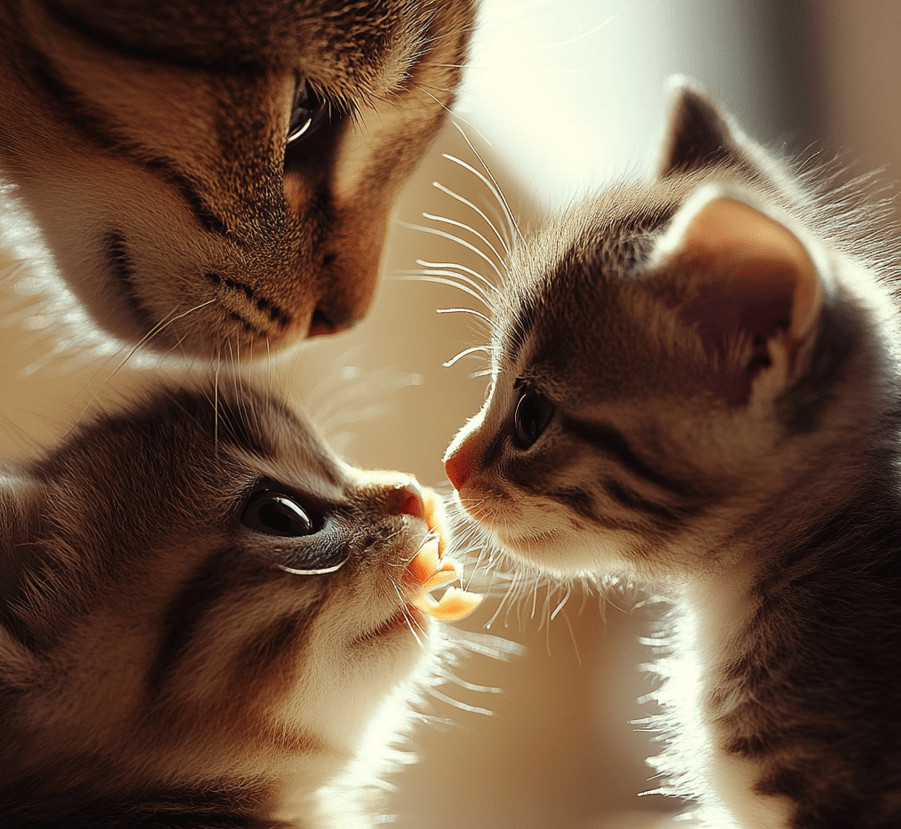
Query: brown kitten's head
[[217, 175], [672, 362], [198, 594]]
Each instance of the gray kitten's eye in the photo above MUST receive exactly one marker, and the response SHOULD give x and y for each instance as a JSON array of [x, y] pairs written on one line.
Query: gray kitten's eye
[[307, 112], [531, 417], [273, 513]]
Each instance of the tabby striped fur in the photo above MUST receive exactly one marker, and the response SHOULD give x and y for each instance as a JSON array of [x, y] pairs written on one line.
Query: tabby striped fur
[[696, 386], [150, 143], [158, 667]]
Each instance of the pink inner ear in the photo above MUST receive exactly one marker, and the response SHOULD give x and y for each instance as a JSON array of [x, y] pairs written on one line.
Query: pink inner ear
[[754, 277], [759, 304]]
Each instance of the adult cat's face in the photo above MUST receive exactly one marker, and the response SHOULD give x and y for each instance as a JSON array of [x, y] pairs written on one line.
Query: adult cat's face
[[221, 176]]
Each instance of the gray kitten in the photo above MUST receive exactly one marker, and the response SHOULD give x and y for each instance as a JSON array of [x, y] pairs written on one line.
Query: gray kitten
[[695, 386]]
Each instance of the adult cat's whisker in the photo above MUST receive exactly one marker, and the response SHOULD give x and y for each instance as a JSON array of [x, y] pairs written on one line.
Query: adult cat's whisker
[[505, 242], [434, 231], [169, 319]]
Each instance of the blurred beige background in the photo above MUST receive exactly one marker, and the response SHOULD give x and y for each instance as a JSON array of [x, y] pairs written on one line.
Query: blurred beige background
[[560, 96]]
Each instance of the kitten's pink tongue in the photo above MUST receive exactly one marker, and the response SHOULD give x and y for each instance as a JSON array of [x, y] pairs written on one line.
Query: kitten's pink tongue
[[428, 570]]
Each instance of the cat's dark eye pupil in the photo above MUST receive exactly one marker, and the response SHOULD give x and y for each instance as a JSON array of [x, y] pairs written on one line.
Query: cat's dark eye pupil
[[273, 513], [306, 112], [532, 414]]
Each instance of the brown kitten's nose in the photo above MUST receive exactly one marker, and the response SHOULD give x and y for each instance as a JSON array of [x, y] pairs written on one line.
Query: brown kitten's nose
[[458, 465], [406, 499]]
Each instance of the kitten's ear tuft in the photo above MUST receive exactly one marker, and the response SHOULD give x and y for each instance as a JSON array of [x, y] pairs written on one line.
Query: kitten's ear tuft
[[698, 135], [755, 293]]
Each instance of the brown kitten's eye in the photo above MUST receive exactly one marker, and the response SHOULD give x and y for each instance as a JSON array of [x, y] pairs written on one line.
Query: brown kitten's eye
[[307, 112], [273, 513], [533, 413]]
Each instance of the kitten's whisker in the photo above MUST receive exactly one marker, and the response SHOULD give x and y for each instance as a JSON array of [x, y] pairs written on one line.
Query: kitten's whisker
[[472, 311], [505, 243], [486, 284], [490, 181], [459, 279], [440, 280], [473, 709], [450, 236], [465, 353]]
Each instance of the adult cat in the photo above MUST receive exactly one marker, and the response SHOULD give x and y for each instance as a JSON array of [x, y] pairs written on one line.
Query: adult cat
[[695, 385], [220, 175], [201, 609]]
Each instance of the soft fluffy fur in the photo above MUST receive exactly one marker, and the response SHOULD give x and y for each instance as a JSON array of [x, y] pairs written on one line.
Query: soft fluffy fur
[[695, 385], [158, 667], [149, 142]]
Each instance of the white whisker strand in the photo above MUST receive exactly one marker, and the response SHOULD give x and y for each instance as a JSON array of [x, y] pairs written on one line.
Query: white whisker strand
[[459, 279], [472, 311], [487, 284], [490, 181], [162, 324], [465, 353], [434, 231], [568, 42], [463, 226], [472, 709], [504, 240], [441, 280]]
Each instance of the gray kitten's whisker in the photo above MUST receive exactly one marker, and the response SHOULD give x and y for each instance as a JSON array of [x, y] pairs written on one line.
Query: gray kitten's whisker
[[465, 353], [505, 242], [486, 285], [472, 311], [489, 181], [458, 240], [438, 279]]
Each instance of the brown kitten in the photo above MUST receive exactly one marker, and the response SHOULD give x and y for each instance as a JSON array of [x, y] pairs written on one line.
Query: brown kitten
[[220, 175], [201, 610], [695, 385]]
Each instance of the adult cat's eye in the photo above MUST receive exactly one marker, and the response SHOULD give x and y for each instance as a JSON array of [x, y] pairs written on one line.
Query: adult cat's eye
[[273, 513], [532, 414], [307, 111]]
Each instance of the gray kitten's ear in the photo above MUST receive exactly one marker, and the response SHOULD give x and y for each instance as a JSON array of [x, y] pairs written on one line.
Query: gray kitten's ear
[[753, 289], [698, 135]]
